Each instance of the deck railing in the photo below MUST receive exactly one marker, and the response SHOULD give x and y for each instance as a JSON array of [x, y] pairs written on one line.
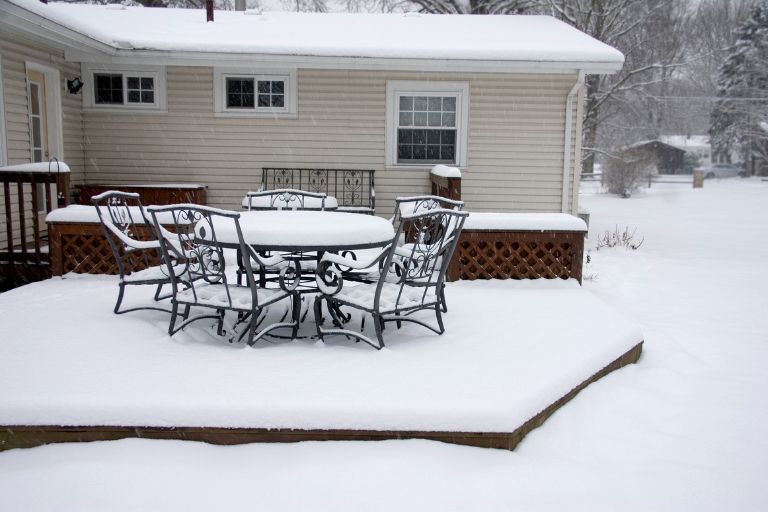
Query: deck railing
[[29, 192]]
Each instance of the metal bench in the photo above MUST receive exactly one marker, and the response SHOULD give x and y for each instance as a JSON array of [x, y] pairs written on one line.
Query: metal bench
[[352, 188]]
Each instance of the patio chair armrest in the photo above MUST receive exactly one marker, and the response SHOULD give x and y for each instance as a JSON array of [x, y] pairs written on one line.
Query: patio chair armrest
[[265, 261], [130, 243], [343, 261]]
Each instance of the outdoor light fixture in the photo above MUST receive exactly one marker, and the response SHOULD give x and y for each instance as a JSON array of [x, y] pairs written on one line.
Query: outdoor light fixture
[[74, 85]]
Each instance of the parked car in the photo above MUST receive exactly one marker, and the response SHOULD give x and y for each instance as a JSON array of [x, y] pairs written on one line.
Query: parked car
[[723, 171]]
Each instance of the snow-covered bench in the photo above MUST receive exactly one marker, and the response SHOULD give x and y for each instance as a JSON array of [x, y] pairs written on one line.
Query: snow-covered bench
[[352, 188]]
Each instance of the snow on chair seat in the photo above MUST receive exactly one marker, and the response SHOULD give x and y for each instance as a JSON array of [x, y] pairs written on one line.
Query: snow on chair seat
[[391, 297], [154, 273], [225, 296]]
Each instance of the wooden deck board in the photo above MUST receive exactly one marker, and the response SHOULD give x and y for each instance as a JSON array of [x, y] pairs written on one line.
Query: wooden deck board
[[26, 436]]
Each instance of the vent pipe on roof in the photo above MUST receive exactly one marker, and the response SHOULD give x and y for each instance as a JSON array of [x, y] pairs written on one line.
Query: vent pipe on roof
[[240, 5], [208, 10]]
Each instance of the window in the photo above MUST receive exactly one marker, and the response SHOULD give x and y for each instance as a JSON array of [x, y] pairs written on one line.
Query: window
[[426, 129], [127, 88], [238, 93], [109, 89], [141, 89], [426, 123]]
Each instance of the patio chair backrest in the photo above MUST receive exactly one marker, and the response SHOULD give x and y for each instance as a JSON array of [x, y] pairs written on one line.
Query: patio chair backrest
[[420, 204], [285, 199], [192, 251], [128, 230], [424, 261]]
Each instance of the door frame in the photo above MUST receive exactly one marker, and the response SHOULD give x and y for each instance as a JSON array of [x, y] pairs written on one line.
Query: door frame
[[3, 140], [53, 110]]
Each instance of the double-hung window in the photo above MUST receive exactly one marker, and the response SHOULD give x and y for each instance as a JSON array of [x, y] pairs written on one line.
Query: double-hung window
[[125, 88], [244, 93], [427, 123]]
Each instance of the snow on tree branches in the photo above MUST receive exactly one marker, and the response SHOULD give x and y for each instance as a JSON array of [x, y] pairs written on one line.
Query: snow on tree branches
[[740, 117]]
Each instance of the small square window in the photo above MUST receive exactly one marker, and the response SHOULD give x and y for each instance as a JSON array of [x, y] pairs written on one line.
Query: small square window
[[271, 93], [108, 89], [140, 89], [240, 93]]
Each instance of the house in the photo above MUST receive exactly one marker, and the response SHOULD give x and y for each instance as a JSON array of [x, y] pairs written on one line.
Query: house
[[136, 96], [696, 147], [169, 97], [665, 158]]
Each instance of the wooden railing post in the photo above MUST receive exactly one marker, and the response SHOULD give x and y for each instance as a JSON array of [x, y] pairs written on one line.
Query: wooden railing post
[[62, 187], [446, 182]]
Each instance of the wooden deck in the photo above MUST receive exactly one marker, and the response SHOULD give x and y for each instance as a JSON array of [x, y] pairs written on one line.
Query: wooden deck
[[20, 436]]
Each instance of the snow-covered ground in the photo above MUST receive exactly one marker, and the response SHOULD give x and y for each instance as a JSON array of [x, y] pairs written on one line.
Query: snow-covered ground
[[684, 429]]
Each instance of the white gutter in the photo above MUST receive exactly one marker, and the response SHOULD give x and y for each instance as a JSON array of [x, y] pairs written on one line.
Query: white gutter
[[567, 151]]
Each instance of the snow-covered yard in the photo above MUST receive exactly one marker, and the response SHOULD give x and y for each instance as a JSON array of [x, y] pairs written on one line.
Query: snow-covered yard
[[681, 430]]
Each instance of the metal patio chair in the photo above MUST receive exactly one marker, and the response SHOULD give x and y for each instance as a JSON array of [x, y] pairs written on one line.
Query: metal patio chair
[[120, 213], [194, 244], [285, 199], [420, 204], [410, 278]]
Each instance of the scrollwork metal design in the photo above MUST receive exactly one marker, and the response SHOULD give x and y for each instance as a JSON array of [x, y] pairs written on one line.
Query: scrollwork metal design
[[329, 278]]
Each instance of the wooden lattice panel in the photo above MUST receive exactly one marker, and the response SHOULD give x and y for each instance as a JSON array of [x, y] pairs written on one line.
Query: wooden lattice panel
[[83, 248], [517, 255]]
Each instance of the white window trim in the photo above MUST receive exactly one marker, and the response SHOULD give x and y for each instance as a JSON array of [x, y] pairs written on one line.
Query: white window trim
[[220, 76], [397, 88], [3, 140], [89, 89]]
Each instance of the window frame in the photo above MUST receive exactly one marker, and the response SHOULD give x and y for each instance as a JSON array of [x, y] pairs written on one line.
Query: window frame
[[398, 88], [290, 100], [157, 73]]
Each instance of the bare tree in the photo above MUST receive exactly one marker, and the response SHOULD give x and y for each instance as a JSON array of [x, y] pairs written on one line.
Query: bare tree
[[477, 6], [646, 31]]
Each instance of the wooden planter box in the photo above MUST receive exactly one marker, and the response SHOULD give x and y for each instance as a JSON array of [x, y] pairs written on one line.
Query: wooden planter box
[[505, 253], [81, 247], [151, 194]]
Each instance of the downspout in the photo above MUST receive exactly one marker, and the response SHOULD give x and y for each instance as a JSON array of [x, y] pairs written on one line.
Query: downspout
[[568, 129]]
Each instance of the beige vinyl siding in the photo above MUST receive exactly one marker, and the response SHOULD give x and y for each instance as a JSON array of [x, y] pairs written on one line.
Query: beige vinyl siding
[[515, 153], [15, 53]]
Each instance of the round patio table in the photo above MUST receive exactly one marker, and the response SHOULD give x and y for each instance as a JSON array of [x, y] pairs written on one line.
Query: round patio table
[[308, 231]]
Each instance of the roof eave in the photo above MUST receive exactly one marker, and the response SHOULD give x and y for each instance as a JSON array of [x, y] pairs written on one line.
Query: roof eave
[[80, 47], [19, 20], [193, 58]]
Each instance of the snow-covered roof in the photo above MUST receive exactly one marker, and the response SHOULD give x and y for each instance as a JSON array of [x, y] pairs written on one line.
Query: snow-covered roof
[[686, 141], [121, 31]]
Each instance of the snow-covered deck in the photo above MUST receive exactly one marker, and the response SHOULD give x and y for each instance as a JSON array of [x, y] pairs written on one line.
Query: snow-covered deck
[[512, 349]]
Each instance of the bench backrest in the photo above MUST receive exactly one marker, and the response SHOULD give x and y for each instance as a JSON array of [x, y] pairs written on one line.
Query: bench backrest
[[352, 188]]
